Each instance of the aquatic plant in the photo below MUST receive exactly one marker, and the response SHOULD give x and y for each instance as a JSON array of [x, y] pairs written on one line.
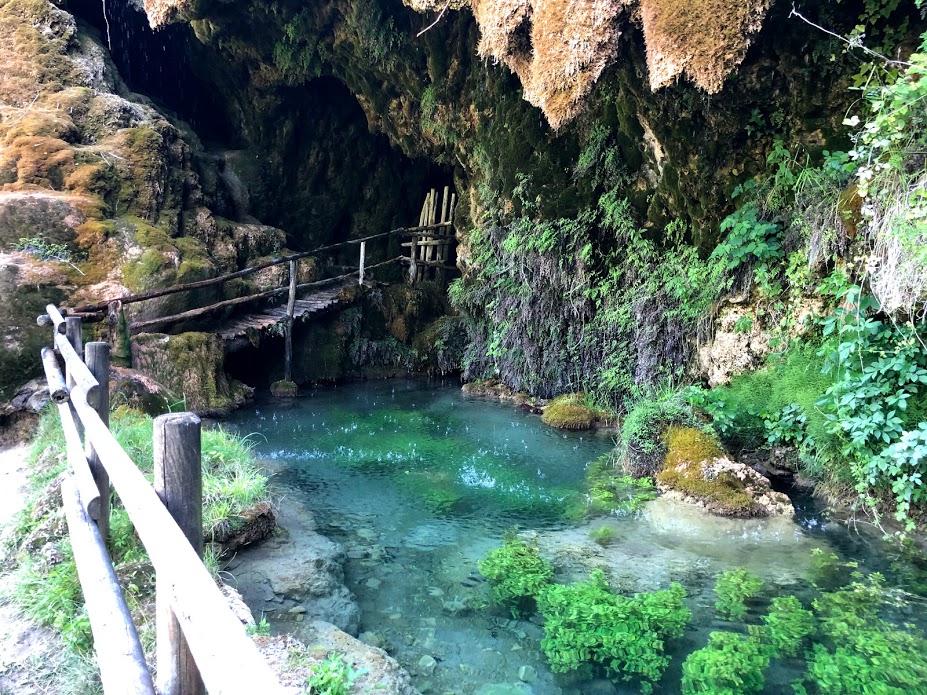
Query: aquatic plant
[[733, 588], [589, 628], [859, 650], [787, 626], [611, 492], [603, 535], [731, 664], [517, 574]]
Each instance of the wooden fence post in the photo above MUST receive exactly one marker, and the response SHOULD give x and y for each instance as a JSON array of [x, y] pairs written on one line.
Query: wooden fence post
[[74, 334], [97, 360], [288, 326], [178, 480], [360, 273]]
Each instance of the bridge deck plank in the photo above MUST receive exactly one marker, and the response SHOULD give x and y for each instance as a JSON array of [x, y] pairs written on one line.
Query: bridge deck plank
[[264, 319]]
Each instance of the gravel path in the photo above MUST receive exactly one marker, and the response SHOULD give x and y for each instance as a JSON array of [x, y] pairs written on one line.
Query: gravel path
[[31, 657]]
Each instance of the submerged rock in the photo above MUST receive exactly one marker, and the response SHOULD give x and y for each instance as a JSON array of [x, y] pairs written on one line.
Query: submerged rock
[[284, 389], [303, 569]]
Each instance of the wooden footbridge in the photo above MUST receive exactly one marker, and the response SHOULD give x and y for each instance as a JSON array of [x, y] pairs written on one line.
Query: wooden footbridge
[[428, 246]]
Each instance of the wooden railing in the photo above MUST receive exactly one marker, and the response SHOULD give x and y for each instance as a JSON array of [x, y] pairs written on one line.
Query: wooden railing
[[420, 236], [201, 645]]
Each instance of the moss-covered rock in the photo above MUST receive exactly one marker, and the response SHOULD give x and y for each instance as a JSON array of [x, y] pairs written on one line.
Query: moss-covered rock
[[697, 468], [192, 366], [570, 412], [284, 389], [26, 287]]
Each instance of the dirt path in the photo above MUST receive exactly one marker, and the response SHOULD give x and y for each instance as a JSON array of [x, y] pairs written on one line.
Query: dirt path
[[31, 658]]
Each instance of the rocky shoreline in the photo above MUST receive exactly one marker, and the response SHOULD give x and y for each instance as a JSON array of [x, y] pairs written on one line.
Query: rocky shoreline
[[295, 580]]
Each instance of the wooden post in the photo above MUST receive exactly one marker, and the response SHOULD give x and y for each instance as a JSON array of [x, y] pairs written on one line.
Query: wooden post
[[413, 248], [178, 480], [360, 274], [288, 327], [74, 333], [429, 251], [98, 364]]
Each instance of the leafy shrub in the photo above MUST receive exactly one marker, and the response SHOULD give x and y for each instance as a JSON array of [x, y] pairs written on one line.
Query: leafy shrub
[[589, 628], [516, 574], [733, 588], [731, 664], [750, 238], [904, 465], [880, 385], [642, 444], [785, 427], [787, 626], [334, 676]]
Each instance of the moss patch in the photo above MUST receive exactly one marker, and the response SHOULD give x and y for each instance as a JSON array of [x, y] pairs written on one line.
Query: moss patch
[[191, 364], [570, 412], [686, 450]]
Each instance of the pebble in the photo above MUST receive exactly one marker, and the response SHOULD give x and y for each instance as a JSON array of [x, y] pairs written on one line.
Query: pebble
[[527, 674], [373, 583], [427, 665]]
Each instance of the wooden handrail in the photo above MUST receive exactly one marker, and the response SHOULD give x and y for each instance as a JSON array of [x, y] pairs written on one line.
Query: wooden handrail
[[154, 294], [226, 657], [119, 651], [215, 647], [267, 294]]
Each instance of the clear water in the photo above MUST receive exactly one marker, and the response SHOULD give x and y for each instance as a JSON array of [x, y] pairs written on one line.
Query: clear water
[[418, 482]]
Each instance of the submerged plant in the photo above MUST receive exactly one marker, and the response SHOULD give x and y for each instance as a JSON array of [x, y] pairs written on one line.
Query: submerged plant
[[612, 492], [603, 535], [516, 573], [733, 588], [731, 664], [860, 651], [788, 625], [587, 627]]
